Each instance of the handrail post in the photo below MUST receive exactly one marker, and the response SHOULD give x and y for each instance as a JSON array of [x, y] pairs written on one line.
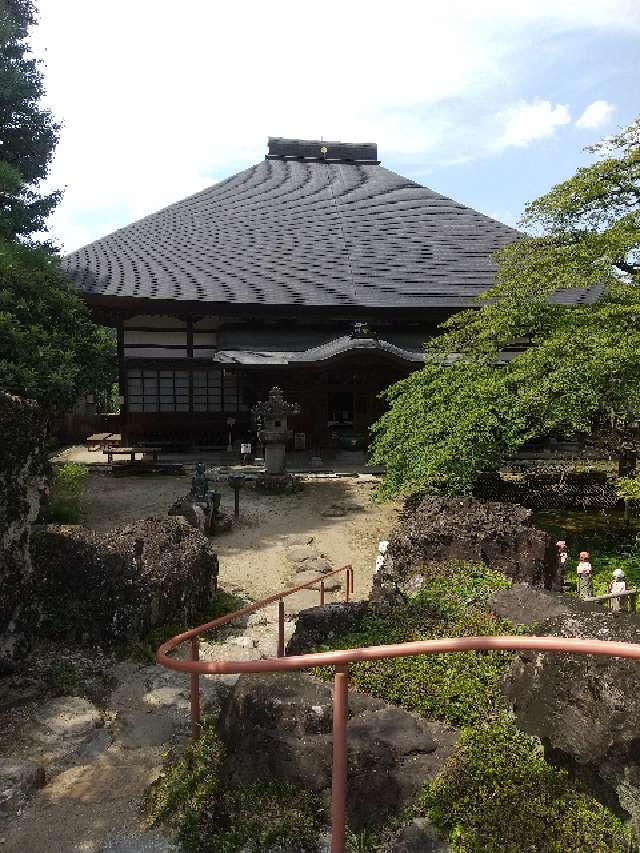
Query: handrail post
[[339, 763], [281, 628], [321, 593], [346, 585], [195, 691], [351, 576]]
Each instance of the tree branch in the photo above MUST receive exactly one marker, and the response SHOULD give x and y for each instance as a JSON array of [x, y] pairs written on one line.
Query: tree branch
[[623, 266]]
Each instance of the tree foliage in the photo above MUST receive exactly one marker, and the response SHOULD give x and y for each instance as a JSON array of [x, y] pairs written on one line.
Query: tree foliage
[[50, 350], [28, 133], [474, 403]]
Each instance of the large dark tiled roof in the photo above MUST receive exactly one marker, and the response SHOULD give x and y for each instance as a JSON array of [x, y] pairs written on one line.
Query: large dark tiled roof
[[302, 228]]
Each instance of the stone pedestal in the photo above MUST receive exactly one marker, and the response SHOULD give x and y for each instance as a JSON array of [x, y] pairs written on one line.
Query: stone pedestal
[[274, 458]]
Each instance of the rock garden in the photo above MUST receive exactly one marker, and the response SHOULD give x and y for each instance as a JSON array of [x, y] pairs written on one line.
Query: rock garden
[[469, 752], [98, 746]]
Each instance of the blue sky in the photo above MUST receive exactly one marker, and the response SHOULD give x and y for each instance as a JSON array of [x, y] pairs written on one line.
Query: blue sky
[[490, 103]]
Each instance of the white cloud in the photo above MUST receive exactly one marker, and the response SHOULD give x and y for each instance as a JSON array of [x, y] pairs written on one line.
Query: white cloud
[[159, 99], [596, 115], [526, 122]]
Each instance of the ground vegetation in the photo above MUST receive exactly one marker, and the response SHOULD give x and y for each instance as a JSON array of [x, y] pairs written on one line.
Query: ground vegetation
[[64, 504], [208, 816], [473, 801], [499, 795], [612, 543], [460, 689]]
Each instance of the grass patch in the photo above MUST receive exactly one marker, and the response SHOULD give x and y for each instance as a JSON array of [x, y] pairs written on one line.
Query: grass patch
[[184, 789], [64, 505], [189, 798], [460, 689], [144, 650], [497, 794]]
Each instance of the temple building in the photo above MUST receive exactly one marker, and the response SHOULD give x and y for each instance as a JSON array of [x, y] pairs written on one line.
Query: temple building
[[317, 270]]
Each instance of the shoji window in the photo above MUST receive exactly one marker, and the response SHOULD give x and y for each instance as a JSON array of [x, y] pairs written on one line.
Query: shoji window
[[207, 390], [158, 390]]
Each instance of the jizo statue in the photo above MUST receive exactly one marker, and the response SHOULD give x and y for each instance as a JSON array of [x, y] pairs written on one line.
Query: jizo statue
[[585, 580], [199, 483]]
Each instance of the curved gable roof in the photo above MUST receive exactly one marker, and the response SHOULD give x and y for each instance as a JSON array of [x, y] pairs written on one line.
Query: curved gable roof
[[296, 231]]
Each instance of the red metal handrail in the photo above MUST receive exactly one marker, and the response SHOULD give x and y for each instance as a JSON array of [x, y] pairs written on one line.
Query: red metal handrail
[[341, 660]]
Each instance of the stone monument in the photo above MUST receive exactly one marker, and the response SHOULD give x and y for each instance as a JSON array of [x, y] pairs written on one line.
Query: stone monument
[[274, 436]]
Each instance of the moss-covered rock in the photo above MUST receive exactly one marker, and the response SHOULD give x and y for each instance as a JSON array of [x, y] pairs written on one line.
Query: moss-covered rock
[[498, 794], [265, 815], [585, 708], [459, 689], [437, 530]]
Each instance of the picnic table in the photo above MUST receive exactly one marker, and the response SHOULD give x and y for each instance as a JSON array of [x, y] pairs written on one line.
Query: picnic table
[[100, 439], [103, 439], [131, 451]]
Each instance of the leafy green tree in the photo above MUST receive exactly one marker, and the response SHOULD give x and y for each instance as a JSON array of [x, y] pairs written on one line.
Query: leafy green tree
[[472, 406], [50, 350], [628, 490], [28, 133]]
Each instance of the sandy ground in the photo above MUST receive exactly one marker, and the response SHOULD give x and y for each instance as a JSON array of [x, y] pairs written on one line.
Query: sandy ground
[[337, 514]]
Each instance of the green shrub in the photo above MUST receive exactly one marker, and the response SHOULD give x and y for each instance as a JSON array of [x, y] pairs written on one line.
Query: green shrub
[[461, 688], [181, 793], [188, 797], [263, 816], [497, 794], [65, 497]]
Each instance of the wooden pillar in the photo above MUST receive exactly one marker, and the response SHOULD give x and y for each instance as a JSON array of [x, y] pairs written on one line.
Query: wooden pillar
[[122, 382], [190, 368]]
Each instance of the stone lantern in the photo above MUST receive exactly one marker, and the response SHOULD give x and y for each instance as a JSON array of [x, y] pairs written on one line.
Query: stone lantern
[[275, 432]]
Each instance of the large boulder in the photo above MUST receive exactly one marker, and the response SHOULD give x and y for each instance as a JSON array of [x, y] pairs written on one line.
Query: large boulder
[[586, 709], [22, 464], [318, 625], [93, 587], [278, 726], [437, 530], [525, 605], [417, 837]]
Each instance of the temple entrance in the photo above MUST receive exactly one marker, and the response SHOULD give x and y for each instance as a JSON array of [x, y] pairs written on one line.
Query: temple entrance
[[340, 409]]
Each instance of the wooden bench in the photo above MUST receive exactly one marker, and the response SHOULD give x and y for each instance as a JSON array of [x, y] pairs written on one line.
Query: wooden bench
[[131, 452]]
